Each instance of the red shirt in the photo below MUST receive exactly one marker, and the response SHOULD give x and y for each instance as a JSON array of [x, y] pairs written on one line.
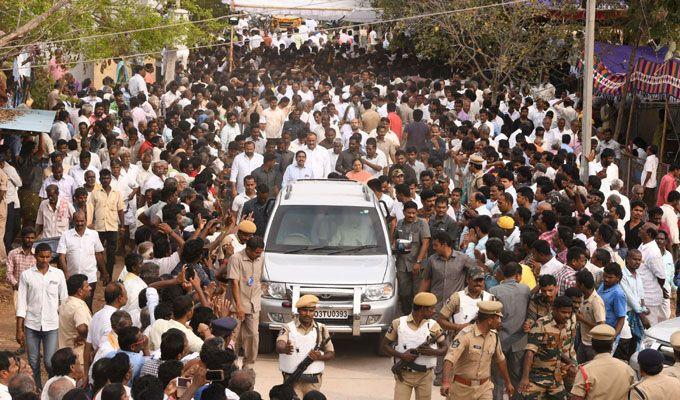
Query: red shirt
[[395, 124], [667, 185]]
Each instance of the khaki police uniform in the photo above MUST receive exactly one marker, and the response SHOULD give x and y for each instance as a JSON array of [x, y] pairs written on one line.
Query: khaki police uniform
[[471, 353], [656, 387], [302, 338], [249, 274], [420, 382], [674, 370], [605, 377]]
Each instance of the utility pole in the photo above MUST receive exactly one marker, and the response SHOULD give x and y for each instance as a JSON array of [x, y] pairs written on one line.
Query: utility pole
[[586, 130], [231, 39]]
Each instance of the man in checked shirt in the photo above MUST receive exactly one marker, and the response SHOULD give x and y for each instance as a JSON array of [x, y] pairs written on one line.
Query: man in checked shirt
[[20, 259]]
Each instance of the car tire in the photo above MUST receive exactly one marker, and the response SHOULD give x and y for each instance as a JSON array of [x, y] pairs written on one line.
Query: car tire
[[267, 341]]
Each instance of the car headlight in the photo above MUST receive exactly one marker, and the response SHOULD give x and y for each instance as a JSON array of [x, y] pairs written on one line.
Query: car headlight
[[274, 290], [377, 292]]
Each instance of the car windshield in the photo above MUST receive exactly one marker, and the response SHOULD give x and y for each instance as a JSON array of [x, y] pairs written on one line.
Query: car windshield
[[303, 229]]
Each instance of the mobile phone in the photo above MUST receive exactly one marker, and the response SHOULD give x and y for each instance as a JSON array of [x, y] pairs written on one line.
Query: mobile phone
[[213, 375], [182, 385], [183, 382], [189, 273]]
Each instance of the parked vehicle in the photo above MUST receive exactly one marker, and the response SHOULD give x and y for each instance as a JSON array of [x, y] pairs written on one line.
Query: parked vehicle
[[658, 337], [328, 238]]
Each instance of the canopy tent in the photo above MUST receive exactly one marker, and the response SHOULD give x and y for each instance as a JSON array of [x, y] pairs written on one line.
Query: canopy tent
[[650, 75], [323, 10]]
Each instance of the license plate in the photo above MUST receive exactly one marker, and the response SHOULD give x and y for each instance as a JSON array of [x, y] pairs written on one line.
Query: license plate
[[331, 314]]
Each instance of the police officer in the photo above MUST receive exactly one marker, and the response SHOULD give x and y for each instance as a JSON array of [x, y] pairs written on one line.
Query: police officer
[[653, 385], [224, 327], [244, 273], [467, 365], [301, 337], [605, 377], [410, 333], [549, 347], [674, 370], [461, 308]]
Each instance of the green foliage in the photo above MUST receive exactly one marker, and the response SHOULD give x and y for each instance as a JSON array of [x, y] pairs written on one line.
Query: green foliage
[[498, 44], [83, 18], [657, 20]]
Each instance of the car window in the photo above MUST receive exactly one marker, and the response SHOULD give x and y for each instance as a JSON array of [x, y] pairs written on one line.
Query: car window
[[318, 229]]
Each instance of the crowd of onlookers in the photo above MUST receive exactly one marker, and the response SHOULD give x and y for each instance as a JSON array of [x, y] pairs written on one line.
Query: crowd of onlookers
[[175, 178]]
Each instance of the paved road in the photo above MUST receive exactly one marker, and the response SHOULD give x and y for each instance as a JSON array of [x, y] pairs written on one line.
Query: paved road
[[357, 373]]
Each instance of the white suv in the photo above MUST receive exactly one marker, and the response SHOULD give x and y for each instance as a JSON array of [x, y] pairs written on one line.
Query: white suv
[[328, 238]]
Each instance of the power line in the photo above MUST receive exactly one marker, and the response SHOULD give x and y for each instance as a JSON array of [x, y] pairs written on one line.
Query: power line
[[241, 14], [226, 43], [151, 28]]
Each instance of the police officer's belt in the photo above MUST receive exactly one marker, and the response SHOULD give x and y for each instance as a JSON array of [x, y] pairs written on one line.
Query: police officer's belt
[[413, 367], [469, 382], [306, 378]]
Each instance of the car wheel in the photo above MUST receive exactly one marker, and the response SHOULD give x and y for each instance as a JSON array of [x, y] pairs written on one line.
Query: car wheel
[[267, 341]]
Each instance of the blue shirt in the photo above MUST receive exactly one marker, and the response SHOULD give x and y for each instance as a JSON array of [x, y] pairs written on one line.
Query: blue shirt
[[614, 303], [136, 362]]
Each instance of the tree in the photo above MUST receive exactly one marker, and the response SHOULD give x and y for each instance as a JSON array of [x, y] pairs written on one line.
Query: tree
[[66, 21], [516, 42]]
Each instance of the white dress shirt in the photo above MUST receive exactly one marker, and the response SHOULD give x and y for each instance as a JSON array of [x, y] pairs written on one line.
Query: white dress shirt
[[78, 174], [633, 287], [13, 183], [551, 267], [100, 325], [152, 182], [243, 166], [60, 131], [4, 392], [379, 159], [650, 270], [228, 134], [319, 161], [133, 286], [651, 165], [67, 187], [670, 217], [137, 84], [39, 298], [295, 172], [80, 252]]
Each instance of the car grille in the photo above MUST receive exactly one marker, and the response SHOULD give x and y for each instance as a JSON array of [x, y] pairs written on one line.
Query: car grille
[[335, 322]]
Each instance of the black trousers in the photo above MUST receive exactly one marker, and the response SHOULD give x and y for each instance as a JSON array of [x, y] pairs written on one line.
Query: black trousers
[[88, 301], [625, 349], [12, 226], [109, 241]]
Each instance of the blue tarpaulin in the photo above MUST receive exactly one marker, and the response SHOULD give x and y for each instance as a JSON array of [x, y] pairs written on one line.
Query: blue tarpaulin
[[30, 120]]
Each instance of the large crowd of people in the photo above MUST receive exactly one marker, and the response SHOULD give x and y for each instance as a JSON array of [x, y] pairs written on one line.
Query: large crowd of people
[[507, 241]]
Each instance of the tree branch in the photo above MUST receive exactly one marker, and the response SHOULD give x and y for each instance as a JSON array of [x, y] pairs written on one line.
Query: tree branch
[[32, 24]]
